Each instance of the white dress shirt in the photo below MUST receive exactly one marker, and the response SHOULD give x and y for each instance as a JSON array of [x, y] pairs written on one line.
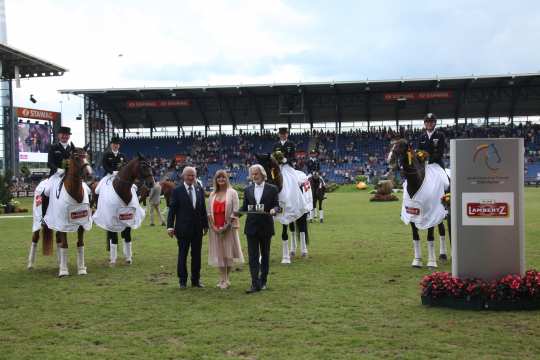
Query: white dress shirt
[[193, 195], [258, 192]]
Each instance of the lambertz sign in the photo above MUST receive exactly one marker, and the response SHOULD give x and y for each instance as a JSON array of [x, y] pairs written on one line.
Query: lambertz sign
[[487, 207]]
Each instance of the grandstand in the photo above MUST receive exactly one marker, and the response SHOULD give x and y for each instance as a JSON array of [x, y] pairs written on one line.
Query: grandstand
[[350, 123]]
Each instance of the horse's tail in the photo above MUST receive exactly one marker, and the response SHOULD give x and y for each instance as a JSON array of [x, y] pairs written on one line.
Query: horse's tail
[[47, 240]]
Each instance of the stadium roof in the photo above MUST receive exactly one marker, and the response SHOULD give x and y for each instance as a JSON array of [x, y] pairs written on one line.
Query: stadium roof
[[346, 101], [28, 65]]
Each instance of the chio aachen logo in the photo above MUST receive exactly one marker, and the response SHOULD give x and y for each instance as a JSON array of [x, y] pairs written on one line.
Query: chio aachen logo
[[489, 155]]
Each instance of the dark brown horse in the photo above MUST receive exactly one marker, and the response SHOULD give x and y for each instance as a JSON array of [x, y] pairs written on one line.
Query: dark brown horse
[[78, 168], [272, 169], [136, 170], [411, 165]]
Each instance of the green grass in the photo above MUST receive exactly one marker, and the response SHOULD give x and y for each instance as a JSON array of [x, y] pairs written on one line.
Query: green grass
[[355, 297]]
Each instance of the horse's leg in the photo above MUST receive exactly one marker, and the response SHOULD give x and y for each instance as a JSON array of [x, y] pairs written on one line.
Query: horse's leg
[[61, 238], [442, 242], [81, 267], [321, 213], [294, 237], [33, 250], [417, 261], [302, 231], [432, 261], [112, 239], [58, 246], [126, 235], [286, 257]]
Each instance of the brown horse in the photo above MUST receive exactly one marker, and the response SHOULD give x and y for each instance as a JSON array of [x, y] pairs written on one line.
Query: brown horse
[[167, 187], [142, 192], [78, 168], [137, 169], [272, 169], [412, 168]]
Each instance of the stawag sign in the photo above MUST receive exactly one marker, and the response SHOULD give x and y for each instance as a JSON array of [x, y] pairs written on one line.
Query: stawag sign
[[488, 209]]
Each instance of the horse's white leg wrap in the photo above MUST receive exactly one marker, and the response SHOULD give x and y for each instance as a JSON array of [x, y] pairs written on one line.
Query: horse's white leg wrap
[[286, 259], [127, 252], [442, 248], [63, 271], [321, 215], [32, 255], [417, 261], [432, 262], [293, 243], [303, 245], [81, 267], [113, 253]]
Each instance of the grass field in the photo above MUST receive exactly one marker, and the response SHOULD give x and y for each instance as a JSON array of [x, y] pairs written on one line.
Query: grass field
[[356, 296]]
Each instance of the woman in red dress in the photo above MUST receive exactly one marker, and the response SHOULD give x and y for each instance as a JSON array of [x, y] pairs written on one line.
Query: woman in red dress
[[223, 241]]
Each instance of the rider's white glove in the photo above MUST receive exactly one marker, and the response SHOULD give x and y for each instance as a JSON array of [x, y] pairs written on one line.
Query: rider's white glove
[[115, 173], [284, 160]]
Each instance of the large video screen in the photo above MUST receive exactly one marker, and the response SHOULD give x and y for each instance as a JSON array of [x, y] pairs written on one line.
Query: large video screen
[[34, 141]]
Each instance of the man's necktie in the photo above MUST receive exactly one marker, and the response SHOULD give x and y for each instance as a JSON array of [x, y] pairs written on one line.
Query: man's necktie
[[190, 193]]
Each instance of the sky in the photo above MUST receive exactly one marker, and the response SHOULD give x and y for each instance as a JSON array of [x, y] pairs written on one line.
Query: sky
[[137, 43]]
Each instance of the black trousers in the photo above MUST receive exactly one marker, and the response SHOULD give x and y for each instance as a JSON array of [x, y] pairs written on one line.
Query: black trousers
[[259, 245], [184, 244]]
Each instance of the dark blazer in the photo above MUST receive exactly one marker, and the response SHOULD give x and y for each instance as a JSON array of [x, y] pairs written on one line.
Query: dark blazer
[[183, 218], [57, 155], [112, 162], [260, 224], [288, 149], [436, 146]]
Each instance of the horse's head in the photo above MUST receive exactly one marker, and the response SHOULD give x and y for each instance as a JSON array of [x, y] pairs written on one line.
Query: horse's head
[[398, 151], [272, 169], [144, 170], [78, 161]]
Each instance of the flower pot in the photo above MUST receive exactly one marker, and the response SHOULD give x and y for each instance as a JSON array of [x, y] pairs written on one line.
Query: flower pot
[[514, 304], [454, 303]]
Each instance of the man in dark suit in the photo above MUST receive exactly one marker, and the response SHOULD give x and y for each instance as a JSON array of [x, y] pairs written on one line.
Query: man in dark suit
[[286, 146], [59, 152], [261, 202], [188, 220], [433, 141]]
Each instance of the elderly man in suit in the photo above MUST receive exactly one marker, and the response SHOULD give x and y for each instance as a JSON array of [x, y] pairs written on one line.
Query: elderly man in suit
[[261, 203], [188, 220]]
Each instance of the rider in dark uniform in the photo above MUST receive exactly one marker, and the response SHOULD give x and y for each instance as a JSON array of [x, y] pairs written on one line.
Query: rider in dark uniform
[[60, 151], [286, 146], [313, 164], [433, 141], [112, 161]]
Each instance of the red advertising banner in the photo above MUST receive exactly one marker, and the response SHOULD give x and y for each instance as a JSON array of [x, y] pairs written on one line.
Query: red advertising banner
[[138, 104], [37, 114], [487, 210], [418, 95]]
